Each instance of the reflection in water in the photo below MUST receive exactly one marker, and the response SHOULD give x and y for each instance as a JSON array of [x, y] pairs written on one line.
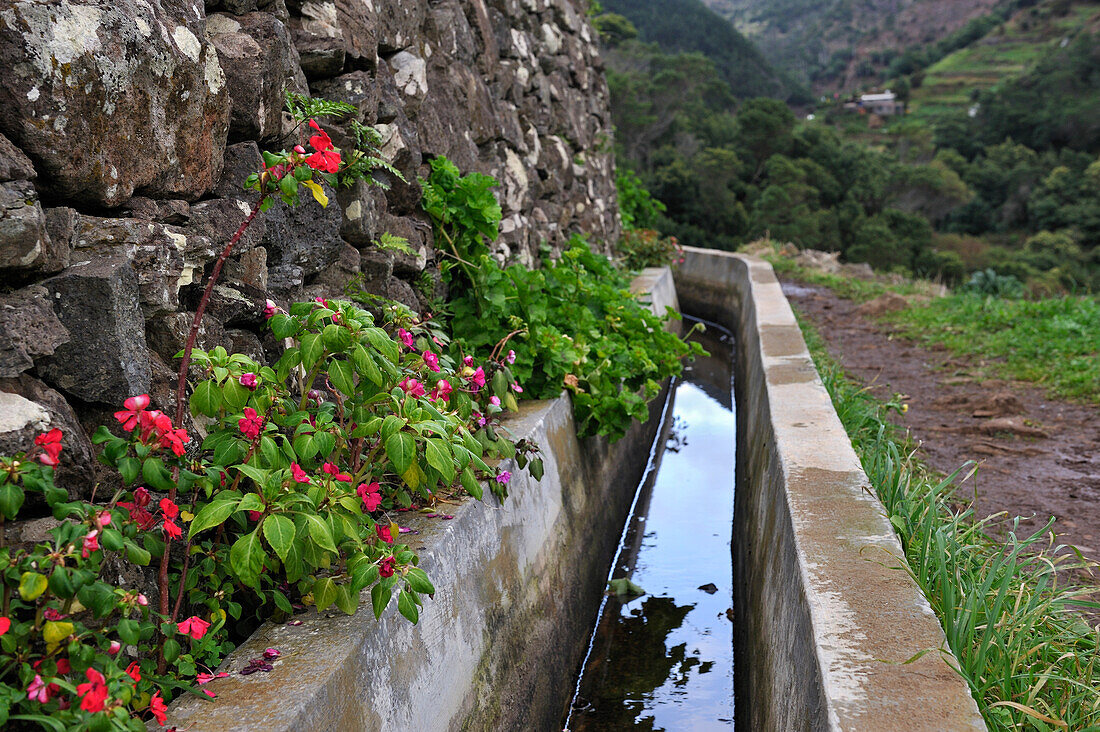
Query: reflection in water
[[665, 661]]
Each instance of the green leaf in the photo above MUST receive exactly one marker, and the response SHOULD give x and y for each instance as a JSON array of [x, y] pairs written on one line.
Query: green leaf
[[319, 532], [325, 593], [535, 468], [364, 575], [171, 650], [235, 395], [380, 597], [246, 558], [207, 399], [382, 343], [407, 607], [281, 602], [438, 454], [129, 631], [258, 476], [212, 514], [11, 500], [279, 532], [128, 468], [270, 451], [337, 338], [347, 600], [137, 555], [156, 475], [312, 348], [32, 585], [365, 365], [401, 450], [340, 373], [419, 581], [111, 540], [470, 483], [251, 502], [283, 326]]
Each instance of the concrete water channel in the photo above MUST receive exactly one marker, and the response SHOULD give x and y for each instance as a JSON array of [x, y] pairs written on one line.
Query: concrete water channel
[[824, 618]]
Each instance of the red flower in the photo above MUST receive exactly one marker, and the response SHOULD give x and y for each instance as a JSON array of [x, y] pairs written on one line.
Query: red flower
[[91, 543], [50, 442], [406, 337], [129, 416], [175, 439], [141, 517], [63, 666], [94, 693], [134, 670], [249, 380], [141, 497], [251, 423], [254, 515], [370, 495], [159, 709], [334, 471], [270, 308], [52, 614], [326, 158], [194, 626], [298, 474], [41, 692], [386, 567], [383, 532], [5, 625], [479, 378], [172, 530], [168, 508]]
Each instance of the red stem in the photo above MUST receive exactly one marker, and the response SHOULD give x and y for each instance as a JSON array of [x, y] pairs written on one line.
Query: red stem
[[181, 392]]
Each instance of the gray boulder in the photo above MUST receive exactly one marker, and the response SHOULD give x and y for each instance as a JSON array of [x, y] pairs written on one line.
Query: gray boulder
[[29, 329], [87, 90]]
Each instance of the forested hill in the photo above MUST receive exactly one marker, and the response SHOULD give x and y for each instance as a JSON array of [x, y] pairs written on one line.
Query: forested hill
[[840, 44], [688, 25]]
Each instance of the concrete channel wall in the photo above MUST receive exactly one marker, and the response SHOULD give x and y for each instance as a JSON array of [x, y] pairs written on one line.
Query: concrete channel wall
[[825, 616], [498, 646]]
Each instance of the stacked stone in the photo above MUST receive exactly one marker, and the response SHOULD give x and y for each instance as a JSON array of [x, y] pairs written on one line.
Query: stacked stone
[[127, 128]]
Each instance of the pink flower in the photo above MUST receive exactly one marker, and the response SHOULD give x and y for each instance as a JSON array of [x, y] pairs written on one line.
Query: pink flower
[[298, 474], [103, 518], [251, 423], [134, 406], [299, 149], [52, 614], [91, 543], [370, 494], [114, 648], [517, 388], [141, 497], [270, 308], [431, 361], [254, 515], [441, 390], [383, 531], [495, 401], [412, 387], [405, 337], [272, 653], [194, 626], [249, 380], [479, 417], [40, 691], [511, 357], [158, 709], [93, 694], [478, 379], [503, 477], [142, 600], [385, 569], [468, 361], [204, 678]]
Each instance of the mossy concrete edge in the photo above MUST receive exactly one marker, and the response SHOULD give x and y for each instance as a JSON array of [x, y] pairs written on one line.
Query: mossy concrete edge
[[826, 618], [498, 646]]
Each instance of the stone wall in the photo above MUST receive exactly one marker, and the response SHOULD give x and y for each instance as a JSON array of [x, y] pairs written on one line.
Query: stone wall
[[128, 126]]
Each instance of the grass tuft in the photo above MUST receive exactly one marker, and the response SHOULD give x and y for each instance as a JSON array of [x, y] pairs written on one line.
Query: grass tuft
[[1030, 659]]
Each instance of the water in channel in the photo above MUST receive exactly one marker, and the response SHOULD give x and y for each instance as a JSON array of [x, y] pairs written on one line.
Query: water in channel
[[664, 661]]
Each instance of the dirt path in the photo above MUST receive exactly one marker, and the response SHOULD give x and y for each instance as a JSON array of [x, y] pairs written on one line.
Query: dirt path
[[1038, 457]]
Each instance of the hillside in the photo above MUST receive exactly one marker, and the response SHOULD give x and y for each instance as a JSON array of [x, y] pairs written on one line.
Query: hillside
[[953, 83], [689, 26], [840, 44]]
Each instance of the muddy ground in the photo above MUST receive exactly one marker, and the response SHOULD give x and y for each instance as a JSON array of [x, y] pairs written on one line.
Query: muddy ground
[[1037, 457]]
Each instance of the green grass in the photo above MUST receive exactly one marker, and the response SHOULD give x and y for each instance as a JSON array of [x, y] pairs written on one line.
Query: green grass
[[1029, 659], [849, 288], [1054, 342]]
